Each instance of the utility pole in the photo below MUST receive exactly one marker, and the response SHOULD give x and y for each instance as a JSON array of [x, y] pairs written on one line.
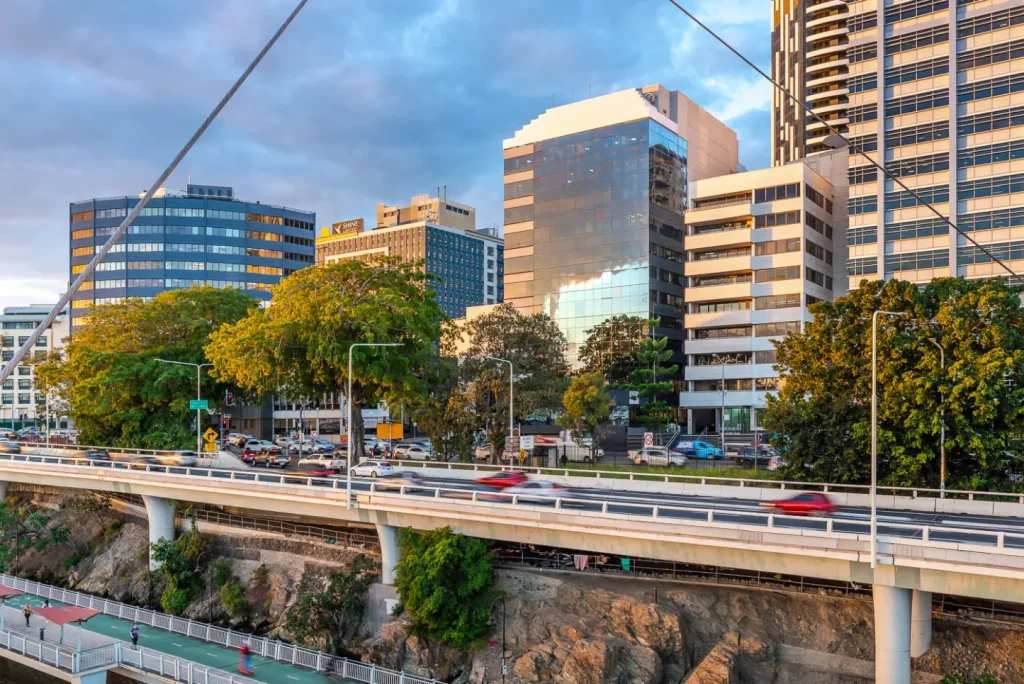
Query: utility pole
[[199, 396]]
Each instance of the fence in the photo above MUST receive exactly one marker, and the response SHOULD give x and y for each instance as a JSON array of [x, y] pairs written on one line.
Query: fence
[[153, 661]]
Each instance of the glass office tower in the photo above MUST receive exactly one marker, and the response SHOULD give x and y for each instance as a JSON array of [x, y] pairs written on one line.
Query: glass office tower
[[203, 236], [593, 214]]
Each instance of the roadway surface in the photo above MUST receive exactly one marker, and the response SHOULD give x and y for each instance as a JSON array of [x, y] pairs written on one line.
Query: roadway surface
[[105, 629]]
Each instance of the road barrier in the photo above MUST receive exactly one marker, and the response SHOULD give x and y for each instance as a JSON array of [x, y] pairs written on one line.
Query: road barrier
[[155, 661]]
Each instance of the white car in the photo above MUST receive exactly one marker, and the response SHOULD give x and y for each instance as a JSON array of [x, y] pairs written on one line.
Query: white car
[[536, 491], [323, 460], [373, 469], [187, 459], [657, 456], [414, 452], [482, 452]]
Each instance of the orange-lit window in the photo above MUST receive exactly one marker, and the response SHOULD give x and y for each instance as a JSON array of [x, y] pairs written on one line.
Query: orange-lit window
[[79, 321], [82, 216], [265, 253], [87, 285], [263, 218], [78, 269], [82, 251], [79, 234], [264, 270], [263, 235], [82, 304]]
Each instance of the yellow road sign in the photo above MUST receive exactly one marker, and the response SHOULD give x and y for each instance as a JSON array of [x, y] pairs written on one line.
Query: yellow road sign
[[210, 446], [522, 456], [211, 435]]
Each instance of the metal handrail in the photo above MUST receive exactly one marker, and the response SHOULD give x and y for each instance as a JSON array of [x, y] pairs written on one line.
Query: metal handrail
[[999, 537]]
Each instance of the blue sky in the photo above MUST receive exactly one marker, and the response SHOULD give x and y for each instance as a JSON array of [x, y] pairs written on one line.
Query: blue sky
[[361, 101]]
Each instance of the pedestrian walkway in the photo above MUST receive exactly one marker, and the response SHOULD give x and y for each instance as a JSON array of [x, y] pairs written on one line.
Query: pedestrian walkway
[[105, 629]]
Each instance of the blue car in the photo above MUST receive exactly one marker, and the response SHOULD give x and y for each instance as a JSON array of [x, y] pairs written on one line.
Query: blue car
[[698, 449]]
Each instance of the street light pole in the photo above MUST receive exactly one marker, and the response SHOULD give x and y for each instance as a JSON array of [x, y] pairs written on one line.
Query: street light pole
[[348, 401], [942, 423], [721, 424], [502, 599], [199, 395], [874, 432], [510, 385]]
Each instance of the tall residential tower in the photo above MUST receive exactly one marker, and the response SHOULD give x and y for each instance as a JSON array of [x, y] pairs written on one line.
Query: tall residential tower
[[594, 198]]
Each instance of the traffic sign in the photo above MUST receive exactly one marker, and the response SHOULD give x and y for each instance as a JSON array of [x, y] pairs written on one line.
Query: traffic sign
[[522, 456], [210, 435], [634, 397], [312, 434], [526, 442], [210, 446], [648, 439], [199, 405]]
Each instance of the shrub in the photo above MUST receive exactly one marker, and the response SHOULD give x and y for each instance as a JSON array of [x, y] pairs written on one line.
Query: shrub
[[221, 572], [175, 600], [232, 595]]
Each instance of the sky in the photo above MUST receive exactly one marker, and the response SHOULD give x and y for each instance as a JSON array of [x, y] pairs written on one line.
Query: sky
[[360, 102]]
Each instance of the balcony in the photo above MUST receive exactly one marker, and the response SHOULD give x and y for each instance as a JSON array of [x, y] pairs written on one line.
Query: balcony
[[712, 266], [823, 6], [716, 319], [714, 293], [824, 95], [741, 398], [831, 64], [725, 238]]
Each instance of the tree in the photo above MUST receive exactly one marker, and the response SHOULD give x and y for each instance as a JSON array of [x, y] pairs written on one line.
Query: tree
[[536, 348], [587, 408], [444, 580], [179, 563], [332, 612], [116, 392], [652, 354], [821, 417], [301, 342], [610, 348], [963, 679], [451, 423]]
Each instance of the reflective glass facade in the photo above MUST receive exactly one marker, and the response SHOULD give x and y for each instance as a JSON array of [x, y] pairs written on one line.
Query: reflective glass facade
[[603, 233], [179, 241]]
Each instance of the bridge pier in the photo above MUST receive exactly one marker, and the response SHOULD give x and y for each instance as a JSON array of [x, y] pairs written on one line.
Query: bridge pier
[[3, 490], [892, 634], [161, 522], [390, 552], [920, 623], [99, 677]]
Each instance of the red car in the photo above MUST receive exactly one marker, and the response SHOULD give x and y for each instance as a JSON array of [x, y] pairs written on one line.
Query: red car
[[808, 503], [504, 479]]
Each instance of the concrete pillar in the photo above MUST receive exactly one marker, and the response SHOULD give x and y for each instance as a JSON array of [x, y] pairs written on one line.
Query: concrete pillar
[[892, 634], [3, 490], [99, 677], [920, 623], [390, 553], [161, 522]]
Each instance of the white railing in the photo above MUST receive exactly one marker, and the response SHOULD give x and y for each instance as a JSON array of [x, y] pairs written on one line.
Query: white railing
[[155, 661], [640, 475]]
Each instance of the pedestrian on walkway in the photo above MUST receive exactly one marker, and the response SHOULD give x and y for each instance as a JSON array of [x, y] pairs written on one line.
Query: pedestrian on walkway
[[27, 612], [46, 603], [135, 634], [243, 665]]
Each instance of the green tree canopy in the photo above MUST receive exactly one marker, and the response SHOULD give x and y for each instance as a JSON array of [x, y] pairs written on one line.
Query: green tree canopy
[[611, 347], [301, 342], [331, 610], [116, 392], [649, 378], [587, 408], [444, 580], [821, 418]]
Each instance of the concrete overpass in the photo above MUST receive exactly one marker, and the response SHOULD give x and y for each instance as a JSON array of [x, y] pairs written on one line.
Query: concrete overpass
[[914, 559]]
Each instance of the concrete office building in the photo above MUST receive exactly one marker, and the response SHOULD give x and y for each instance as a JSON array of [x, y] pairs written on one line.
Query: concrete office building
[[201, 236], [760, 248], [469, 263], [20, 400], [594, 198], [937, 89]]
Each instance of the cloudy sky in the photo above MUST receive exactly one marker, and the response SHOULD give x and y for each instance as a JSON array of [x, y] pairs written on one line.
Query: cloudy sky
[[361, 101]]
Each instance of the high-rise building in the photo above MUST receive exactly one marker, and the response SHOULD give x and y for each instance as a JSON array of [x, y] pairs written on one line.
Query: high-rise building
[[469, 263], [809, 42], [20, 400], [594, 198], [937, 92], [759, 250], [201, 236]]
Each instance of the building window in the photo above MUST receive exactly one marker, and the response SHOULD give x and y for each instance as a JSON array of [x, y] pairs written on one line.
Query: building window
[[863, 205], [914, 8], [263, 253], [1005, 251], [722, 333], [226, 232], [866, 266], [909, 230], [913, 261], [863, 83], [990, 54], [918, 102], [25, 398], [785, 218], [185, 230], [263, 270], [716, 307], [819, 226], [263, 235], [766, 357], [989, 22], [993, 87], [112, 213], [785, 301], [862, 53], [990, 187], [862, 113], [81, 234], [938, 130], [863, 174], [991, 220], [769, 275], [918, 39], [777, 247], [991, 121], [864, 143], [737, 385], [779, 192], [819, 252], [819, 279], [917, 71], [780, 329]]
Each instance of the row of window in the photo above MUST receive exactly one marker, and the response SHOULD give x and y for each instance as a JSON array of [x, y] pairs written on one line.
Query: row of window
[[990, 121], [8, 341], [914, 8], [116, 284], [818, 251], [862, 52], [992, 21], [911, 230], [864, 143], [862, 174], [819, 279], [863, 83], [785, 218], [1005, 251], [712, 281], [917, 71], [989, 187], [862, 113], [990, 154], [911, 135], [186, 212], [993, 87], [859, 267], [991, 220], [819, 226], [862, 235], [862, 22], [915, 261], [783, 301], [777, 247], [990, 54], [25, 399], [779, 192], [188, 247], [916, 166], [917, 102], [917, 39], [819, 199], [902, 199], [738, 385], [771, 275]]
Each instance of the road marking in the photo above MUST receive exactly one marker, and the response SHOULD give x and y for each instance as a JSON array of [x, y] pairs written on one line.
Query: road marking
[[290, 677], [175, 643]]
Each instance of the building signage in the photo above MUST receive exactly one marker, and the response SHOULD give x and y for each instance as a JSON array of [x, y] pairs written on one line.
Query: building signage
[[351, 226]]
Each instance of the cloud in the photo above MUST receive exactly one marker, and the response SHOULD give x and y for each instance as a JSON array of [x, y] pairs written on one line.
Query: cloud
[[360, 102]]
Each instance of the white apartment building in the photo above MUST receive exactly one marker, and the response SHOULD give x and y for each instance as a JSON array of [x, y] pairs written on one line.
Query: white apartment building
[[20, 401], [759, 250]]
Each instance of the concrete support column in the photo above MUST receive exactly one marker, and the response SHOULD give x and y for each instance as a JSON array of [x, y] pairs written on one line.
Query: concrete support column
[[3, 490], [920, 623], [892, 634], [161, 522], [90, 678], [390, 553]]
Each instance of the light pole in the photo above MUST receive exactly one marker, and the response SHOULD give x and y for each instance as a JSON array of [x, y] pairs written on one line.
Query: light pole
[[209, 588], [510, 384], [199, 422], [348, 401], [874, 432], [722, 391], [491, 622], [942, 423]]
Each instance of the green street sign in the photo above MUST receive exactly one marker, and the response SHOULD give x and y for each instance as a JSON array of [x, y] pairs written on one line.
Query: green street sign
[[199, 405]]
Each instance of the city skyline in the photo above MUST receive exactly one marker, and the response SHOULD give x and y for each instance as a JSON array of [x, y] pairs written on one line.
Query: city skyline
[[96, 117]]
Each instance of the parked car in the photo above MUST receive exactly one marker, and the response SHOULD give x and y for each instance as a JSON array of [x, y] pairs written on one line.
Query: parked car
[[258, 444], [241, 440], [657, 456], [776, 462], [764, 454], [10, 448], [537, 491], [322, 446], [504, 479], [187, 459], [270, 458], [323, 460], [412, 451], [808, 503], [697, 449], [373, 469], [399, 480]]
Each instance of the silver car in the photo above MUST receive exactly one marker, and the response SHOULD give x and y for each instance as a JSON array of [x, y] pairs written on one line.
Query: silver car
[[185, 459]]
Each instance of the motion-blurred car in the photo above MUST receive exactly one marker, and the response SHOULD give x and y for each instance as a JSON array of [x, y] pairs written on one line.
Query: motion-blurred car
[[657, 456], [373, 469], [186, 459], [325, 461], [399, 480], [536, 491], [697, 449], [503, 480], [94, 455], [270, 458], [764, 454], [10, 448], [808, 503]]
